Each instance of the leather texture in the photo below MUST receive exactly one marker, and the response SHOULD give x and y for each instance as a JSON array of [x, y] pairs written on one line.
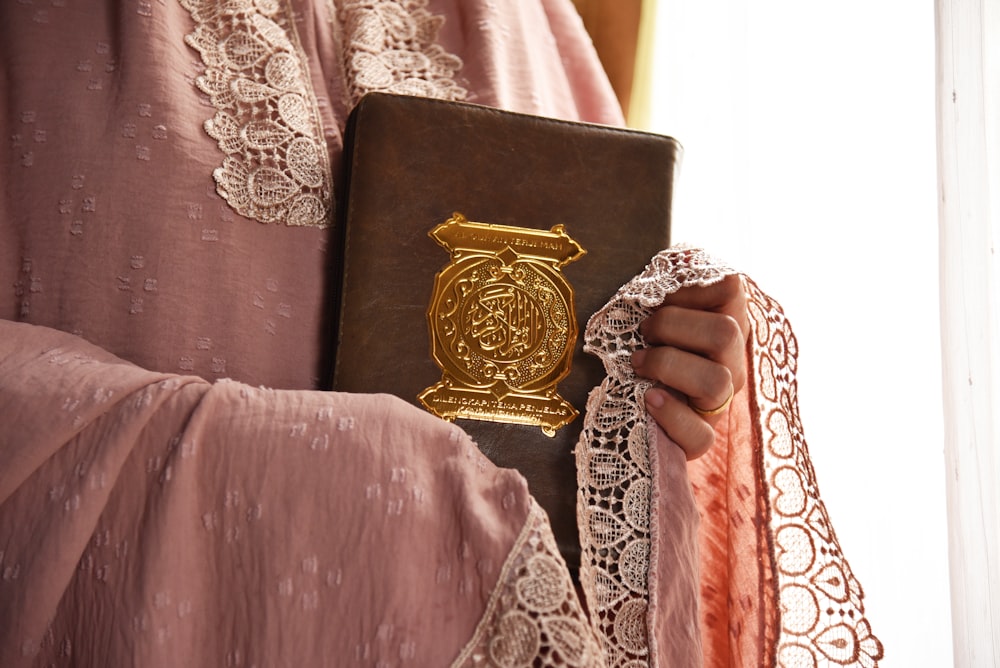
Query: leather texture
[[411, 163]]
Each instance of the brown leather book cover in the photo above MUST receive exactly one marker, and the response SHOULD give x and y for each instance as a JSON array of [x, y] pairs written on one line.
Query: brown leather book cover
[[412, 163]]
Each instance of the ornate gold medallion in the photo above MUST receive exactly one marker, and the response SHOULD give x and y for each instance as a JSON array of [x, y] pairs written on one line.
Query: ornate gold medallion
[[502, 324]]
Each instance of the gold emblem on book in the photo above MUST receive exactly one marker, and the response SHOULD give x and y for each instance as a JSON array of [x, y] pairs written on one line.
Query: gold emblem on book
[[502, 324]]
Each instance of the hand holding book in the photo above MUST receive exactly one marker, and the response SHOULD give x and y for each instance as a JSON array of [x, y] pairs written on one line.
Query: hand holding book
[[697, 355]]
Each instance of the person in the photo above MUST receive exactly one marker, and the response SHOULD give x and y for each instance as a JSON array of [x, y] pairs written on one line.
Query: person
[[176, 489]]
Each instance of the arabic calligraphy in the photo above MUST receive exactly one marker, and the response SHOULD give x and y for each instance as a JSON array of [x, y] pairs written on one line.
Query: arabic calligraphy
[[504, 321]]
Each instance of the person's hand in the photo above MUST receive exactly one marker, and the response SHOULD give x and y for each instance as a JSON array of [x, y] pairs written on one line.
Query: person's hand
[[697, 356]]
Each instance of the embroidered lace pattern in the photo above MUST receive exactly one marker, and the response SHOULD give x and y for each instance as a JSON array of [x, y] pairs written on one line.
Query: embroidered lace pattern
[[534, 617], [821, 602], [391, 46], [615, 480], [276, 166], [821, 611]]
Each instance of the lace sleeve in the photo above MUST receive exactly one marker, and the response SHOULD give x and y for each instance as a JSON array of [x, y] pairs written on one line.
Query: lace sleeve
[[819, 615], [534, 617]]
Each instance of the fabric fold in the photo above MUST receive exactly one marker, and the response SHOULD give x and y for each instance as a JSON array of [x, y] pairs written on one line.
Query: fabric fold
[[738, 539], [223, 524]]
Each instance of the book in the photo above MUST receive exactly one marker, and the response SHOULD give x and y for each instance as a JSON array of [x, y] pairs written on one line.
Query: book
[[476, 243]]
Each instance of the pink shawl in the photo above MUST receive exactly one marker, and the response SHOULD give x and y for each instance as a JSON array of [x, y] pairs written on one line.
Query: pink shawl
[[157, 519]]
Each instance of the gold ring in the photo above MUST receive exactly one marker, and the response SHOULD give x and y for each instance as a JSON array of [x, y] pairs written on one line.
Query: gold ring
[[715, 411]]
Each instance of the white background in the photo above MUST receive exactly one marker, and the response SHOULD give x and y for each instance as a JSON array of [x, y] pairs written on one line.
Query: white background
[[809, 135]]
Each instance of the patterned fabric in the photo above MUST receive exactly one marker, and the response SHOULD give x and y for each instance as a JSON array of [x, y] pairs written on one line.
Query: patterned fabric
[[638, 520], [393, 48], [822, 611], [267, 124], [152, 519], [145, 142], [534, 617], [624, 495]]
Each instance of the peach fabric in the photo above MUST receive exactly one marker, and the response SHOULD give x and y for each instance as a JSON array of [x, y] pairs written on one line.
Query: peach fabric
[[764, 569], [726, 485]]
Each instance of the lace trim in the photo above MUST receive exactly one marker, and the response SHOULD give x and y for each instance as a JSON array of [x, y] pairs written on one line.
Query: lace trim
[[276, 166], [391, 46], [820, 601], [613, 466], [534, 617]]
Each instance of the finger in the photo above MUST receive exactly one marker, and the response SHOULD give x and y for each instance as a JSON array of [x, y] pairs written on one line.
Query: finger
[[694, 435], [716, 336], [726, 296], [705, 382], [706, 332], [712, 296]]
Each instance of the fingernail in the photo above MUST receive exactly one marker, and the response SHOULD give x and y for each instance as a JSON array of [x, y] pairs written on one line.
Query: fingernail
[[654, 398], [638, 357]]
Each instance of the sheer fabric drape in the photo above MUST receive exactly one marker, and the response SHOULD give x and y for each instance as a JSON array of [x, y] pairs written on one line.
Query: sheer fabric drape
[[968, 80]]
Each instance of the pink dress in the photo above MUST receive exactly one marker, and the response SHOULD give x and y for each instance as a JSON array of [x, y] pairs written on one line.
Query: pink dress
[[169, 174]]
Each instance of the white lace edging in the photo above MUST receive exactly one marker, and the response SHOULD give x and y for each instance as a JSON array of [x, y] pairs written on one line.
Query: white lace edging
[[822, 620], [276, 166], [613, 469], [821, 613], [391, 46], [534, 617]]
